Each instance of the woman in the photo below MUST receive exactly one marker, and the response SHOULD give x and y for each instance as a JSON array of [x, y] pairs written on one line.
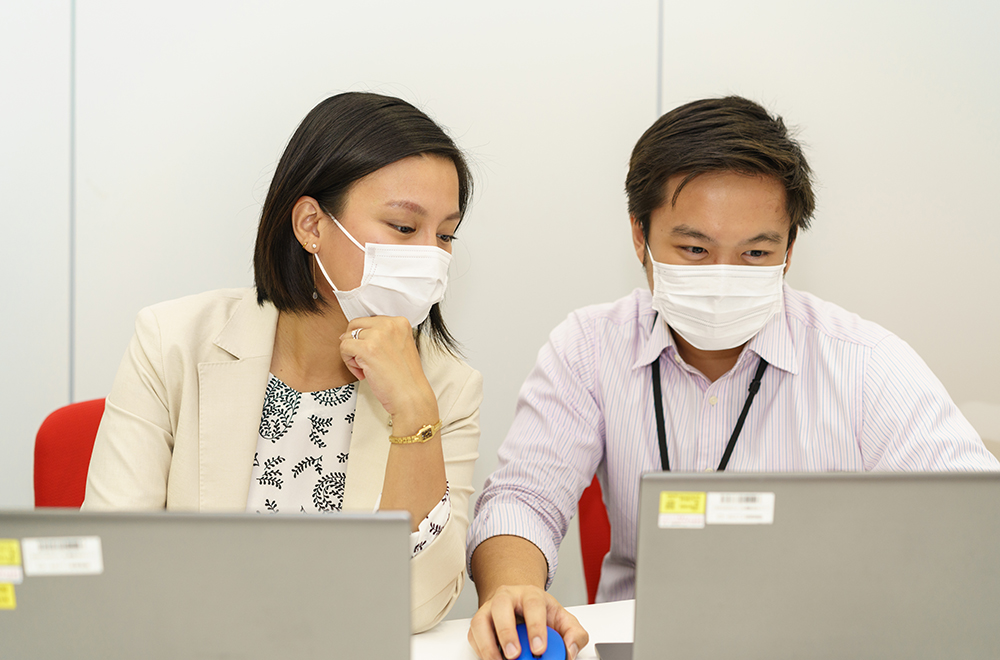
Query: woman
[[312, 391]]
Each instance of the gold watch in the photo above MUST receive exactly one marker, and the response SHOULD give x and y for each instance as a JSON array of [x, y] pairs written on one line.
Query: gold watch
[[423, 435]]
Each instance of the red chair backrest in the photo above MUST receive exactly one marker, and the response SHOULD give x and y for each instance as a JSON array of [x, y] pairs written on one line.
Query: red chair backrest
[[595, 536], [63, 446]]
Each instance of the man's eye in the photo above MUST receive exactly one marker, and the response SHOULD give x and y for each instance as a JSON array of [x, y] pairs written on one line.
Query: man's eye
[[757, 254], [695, 250], [403, 229]]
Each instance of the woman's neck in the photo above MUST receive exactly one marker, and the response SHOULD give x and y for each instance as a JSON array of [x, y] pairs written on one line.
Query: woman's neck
[[306, 353]]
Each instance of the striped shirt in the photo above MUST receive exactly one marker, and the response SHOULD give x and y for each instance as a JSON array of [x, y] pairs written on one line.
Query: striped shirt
[[841, 394]]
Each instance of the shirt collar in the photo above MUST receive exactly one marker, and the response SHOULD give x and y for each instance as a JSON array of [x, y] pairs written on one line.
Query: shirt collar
[[774, 341], [655, 339]]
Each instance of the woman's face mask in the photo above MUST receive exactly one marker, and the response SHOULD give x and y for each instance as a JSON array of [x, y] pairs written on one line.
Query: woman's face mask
[[398, 280]]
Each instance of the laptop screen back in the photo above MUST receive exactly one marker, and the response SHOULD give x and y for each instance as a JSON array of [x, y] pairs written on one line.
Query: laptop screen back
[[168, 585], [818, 565]]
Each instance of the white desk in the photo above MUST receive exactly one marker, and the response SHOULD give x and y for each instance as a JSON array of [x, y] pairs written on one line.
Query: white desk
[[607, 622]]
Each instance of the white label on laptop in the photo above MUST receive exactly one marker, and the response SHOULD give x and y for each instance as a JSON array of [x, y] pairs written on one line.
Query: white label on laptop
[[62, 555], [740, 509], [682, 510], [11, 575]]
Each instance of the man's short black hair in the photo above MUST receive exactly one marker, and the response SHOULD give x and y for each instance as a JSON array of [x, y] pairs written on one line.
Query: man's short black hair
[[712, 135]]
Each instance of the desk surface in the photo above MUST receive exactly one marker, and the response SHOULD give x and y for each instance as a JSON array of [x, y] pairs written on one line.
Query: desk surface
[[606, 622]]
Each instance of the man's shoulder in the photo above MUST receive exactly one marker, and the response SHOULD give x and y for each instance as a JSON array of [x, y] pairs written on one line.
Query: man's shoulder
[[814, 314], [625, 313]]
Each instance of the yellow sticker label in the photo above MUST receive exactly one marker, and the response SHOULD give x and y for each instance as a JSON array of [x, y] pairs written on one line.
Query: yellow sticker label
[[7, 600], [10, 552], [682, 502]]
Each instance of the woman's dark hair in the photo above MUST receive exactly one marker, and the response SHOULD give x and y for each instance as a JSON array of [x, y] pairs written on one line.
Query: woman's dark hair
[[341, 140], [712, 135]]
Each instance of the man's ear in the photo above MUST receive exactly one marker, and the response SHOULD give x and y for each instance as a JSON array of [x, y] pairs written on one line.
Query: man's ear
[[306, 214], [788, 257], [638, 240]]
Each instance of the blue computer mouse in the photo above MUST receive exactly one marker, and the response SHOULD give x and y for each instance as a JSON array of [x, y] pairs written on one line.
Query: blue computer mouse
[[555, 650]]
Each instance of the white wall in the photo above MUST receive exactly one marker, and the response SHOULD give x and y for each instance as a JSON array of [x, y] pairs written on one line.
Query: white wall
[[182, 112], [34, 231]]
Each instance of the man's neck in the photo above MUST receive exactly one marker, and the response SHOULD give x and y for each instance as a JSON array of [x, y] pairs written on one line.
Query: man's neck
[[713, 364]]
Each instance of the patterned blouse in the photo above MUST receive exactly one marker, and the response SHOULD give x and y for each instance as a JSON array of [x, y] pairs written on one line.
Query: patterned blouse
[[302, 450]]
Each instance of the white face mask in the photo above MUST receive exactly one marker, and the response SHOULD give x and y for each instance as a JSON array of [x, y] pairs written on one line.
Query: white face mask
[[398, 280], [717, 307]]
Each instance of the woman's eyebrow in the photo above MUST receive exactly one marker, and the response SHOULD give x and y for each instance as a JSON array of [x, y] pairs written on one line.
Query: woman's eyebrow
[[417, 209], [407, 205]]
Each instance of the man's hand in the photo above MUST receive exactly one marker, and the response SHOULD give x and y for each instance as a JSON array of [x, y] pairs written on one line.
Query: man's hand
[[510, 574], [496, 620]]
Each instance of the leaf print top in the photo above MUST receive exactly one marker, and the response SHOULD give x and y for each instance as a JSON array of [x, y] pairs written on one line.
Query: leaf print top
[[303, 449]]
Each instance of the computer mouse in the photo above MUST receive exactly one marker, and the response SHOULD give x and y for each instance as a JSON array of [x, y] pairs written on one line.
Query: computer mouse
[[555, 650]]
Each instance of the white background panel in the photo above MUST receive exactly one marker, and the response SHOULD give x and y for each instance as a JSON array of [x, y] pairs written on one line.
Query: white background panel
[[182, 122], [899, 109], [183, 110], [34, 231]]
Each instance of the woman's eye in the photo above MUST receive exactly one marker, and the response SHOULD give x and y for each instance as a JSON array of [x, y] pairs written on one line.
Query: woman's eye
[[447, 238], [403, 229]]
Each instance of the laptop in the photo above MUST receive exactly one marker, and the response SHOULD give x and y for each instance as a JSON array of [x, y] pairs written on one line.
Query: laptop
[[176, 585], [824, 566]]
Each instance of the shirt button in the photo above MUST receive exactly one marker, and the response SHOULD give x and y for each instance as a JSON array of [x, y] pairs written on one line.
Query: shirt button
[[713, 400]]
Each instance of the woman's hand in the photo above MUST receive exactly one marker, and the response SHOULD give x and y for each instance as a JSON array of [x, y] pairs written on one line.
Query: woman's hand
[[381, 350]]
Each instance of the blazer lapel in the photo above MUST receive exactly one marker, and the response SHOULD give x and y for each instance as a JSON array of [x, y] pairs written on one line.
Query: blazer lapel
[[231, 397], [369, 453]]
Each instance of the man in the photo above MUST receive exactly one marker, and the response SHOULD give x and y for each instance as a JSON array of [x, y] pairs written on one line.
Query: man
[[718, 366]]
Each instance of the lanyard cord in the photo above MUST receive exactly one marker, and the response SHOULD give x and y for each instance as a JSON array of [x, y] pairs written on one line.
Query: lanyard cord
[[661, 433]]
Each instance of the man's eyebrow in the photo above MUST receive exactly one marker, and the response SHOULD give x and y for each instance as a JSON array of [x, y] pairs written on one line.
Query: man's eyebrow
[[691, 232], [417, 209], [765, 237]]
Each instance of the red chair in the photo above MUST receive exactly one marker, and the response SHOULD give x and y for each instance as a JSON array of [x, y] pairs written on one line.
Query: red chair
[[63, 446], [595, 536]]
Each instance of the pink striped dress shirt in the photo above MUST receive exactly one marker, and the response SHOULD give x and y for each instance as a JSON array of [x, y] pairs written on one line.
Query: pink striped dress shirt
[[841, 394]]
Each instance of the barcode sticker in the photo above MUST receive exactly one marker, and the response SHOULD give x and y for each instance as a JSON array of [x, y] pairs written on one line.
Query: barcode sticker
[[62, 555], [740, 509]]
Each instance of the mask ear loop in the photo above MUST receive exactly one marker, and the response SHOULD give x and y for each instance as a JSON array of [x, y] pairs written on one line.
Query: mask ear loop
[[341, 227], [316, 254], [323, 270]]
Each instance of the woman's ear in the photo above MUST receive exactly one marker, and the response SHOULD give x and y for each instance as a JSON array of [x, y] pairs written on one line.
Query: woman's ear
[[306, 214]]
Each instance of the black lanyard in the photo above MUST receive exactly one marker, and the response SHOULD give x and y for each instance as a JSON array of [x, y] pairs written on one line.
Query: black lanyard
[[662, 434]]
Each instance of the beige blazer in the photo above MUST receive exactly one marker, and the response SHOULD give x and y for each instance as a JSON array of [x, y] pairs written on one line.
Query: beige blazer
[[180, 428]]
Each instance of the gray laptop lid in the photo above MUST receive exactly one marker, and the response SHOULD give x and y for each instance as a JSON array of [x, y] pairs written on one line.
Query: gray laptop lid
[[168, 585], [818, 566]]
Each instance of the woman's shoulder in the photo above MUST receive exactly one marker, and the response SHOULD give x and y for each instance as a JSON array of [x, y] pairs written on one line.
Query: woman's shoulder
[[199, 316], [446, 371], [217, 301]]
